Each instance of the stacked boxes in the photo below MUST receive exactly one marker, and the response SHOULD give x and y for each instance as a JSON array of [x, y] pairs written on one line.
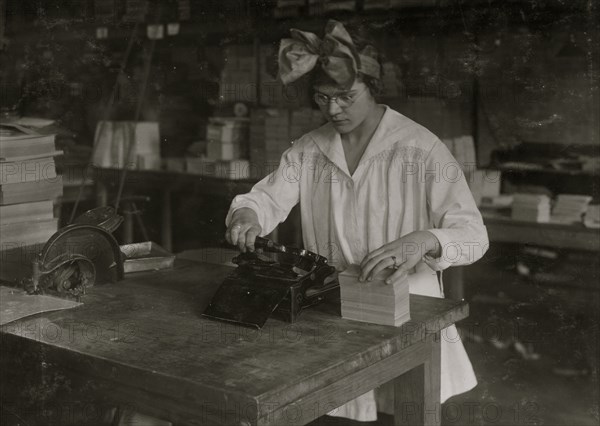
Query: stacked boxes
[[531, 207], [29, 188], [238, 77], [226, 148], [123, 144], [272, 131], [227, 138], [570, 208]]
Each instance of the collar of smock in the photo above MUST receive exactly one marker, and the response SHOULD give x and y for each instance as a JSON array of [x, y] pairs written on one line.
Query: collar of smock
[[329, 140]]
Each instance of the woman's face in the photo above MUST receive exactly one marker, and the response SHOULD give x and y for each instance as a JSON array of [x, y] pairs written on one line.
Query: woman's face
[[344, 118]]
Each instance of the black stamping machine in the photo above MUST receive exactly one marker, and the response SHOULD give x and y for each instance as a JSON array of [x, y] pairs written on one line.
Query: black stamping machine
[[274, 280]]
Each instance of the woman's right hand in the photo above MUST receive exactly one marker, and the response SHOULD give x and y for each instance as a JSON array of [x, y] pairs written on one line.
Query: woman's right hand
[[243, 229]]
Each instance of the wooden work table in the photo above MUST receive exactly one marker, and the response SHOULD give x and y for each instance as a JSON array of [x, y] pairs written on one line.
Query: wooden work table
[[503, 229], [158, 355]]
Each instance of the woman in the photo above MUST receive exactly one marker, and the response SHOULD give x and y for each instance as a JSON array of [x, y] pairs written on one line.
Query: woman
[[374, 187]]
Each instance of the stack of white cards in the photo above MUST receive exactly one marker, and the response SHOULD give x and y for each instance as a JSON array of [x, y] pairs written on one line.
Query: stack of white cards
[[592, 216], [570, 208], [531, 207], [374, 301]]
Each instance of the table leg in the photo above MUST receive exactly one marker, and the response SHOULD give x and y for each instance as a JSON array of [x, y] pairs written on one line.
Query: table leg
[[417, 392], [166, 234]]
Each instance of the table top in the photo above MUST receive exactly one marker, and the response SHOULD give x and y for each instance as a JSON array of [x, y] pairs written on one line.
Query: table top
[[146, 331]]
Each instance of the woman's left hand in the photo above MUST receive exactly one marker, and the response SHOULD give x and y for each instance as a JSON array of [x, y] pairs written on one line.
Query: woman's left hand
[[402, 254]]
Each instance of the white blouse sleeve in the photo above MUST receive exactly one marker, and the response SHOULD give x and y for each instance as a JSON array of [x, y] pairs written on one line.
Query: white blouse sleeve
[[274, 196], [457, 223]]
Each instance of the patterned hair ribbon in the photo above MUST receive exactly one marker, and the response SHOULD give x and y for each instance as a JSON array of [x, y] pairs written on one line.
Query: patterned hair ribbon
[[336, 54]]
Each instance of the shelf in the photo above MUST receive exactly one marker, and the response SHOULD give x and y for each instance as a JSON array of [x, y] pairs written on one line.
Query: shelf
[[502, 229], [509, 169], [445, 14]]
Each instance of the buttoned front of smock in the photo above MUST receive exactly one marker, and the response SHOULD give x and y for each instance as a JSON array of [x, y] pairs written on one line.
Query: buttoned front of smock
[[406, 181]]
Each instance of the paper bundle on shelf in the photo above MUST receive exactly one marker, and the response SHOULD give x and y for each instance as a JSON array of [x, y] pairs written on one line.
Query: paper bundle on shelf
[[374, 301], [531, 207], [227, 138], [570, 208], [116, 139], [233, 169], [592, 216]]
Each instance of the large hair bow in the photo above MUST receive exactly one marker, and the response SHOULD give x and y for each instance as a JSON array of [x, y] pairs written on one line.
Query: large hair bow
[[336, 54]]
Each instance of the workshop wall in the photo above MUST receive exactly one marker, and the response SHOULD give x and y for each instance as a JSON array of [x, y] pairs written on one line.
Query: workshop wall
[[503, 74]]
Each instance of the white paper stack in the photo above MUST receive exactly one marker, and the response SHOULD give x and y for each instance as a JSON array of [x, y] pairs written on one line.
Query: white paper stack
[[592, 216], [231, 169], [531, 207], [115, 140], [374, 301], [227, 138], [570, 208]]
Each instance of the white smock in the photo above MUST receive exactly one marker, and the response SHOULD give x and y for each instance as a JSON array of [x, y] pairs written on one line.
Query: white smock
[[406, 181]]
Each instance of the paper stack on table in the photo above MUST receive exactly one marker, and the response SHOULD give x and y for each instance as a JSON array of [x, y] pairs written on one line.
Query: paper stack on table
[[570, 208], [374, 301], [531, 207]]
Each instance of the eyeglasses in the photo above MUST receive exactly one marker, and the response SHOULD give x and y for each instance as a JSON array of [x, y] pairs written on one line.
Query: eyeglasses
[[344, 100]]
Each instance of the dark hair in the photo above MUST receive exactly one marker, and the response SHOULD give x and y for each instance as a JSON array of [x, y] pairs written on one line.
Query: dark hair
[[362, 37]]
